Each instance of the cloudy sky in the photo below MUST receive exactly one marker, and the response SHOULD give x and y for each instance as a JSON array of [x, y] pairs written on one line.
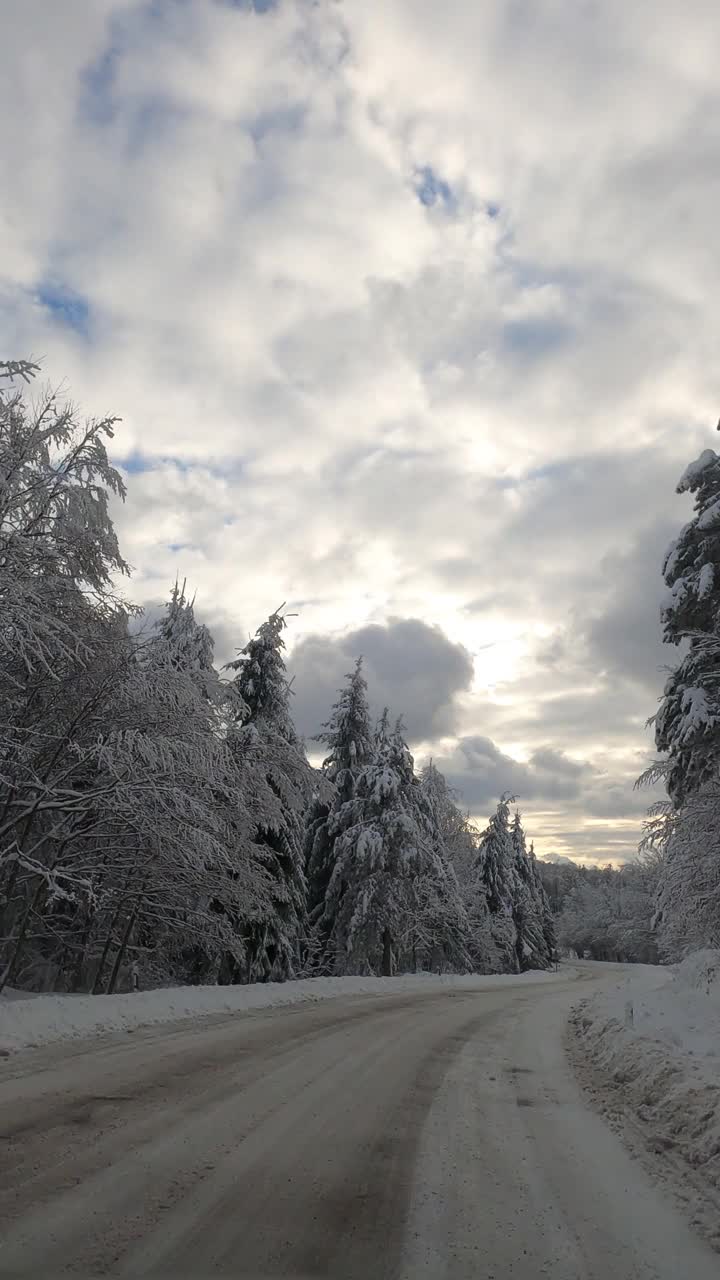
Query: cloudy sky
[[410, 313]]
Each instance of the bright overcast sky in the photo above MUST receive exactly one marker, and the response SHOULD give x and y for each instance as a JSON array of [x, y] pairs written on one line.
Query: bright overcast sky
[[410, 310]]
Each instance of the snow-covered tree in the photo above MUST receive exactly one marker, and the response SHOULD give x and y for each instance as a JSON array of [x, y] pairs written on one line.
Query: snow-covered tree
[[546, 913], [117, 794], [497, 882], [279, 785], [387, 871], [607, 914], [687, 725], [530, 943], [189, 644], [58, 557], [459, 842], [459, 836], [687, 914], [347, 736]]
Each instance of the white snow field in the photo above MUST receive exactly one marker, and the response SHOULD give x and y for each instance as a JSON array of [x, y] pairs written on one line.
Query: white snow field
[[436, 1132], [648, 1048]]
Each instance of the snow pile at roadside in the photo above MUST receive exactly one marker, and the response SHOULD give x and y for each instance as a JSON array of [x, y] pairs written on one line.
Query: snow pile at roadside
[[649, 1050], [42, 1019]]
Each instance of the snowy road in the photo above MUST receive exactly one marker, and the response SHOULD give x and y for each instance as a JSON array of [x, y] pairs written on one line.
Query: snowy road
[[432, 1135]]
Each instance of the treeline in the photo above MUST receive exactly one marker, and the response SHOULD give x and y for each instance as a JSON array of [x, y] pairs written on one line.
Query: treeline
[[604, 913], [159, 819]]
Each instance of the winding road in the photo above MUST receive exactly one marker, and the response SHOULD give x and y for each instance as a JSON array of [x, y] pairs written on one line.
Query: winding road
[[438, 1135]]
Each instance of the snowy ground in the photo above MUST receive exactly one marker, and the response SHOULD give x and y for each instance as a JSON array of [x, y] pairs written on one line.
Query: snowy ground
[[35, 1020], [648, 1050], [416, 1135]]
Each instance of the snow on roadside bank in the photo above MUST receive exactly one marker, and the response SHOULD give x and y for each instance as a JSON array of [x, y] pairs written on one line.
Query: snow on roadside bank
[[648, 1050], [38, 1019]]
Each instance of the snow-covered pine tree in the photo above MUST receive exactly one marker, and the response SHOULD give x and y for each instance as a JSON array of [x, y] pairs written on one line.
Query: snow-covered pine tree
[[439, 933], [189, 644], [278, 784], [497, 880], [348, 738], [459, 835], [460, 838], [391, 899], [546, 912], [530, 943], [687, 725]]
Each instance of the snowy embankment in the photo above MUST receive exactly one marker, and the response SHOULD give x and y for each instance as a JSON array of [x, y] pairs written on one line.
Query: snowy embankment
[[35, 1020], [648, 1051]]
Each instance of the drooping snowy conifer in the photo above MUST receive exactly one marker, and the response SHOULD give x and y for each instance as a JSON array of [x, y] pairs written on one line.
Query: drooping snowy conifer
[[546, 912], [391, 900], [348, 738], [530, 944], [278, 784], [188, 642], [687, 725], [497, 881]]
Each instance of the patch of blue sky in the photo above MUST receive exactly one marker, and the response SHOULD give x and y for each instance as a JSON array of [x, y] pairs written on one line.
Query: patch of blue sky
[[66, 307], [136, 462], [534, 337], [96, 102], [431, 189], [287, 119], [253, 6]]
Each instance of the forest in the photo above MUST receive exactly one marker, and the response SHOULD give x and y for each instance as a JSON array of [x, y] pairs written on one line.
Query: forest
[[161, 823]]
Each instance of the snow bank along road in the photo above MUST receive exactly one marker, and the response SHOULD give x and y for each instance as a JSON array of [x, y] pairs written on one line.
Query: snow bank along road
[[438, 1134]]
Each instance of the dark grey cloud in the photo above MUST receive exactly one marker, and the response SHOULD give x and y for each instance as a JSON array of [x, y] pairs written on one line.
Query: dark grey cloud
[[585, 809], [410, 666], [481, 772]]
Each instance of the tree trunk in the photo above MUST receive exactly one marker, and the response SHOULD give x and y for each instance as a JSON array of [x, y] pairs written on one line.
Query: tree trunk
[[11, 967], [124, 943], [387, 956], [97, 984]]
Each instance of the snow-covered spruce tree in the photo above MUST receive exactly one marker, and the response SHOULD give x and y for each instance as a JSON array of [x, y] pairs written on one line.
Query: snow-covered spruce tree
[[439, 932], [497, 881], [459, 836], [530, 943], [459, 842], [391, 899], [189, 644], [546, 912], [278, 784], [347, 736], [687, 725]]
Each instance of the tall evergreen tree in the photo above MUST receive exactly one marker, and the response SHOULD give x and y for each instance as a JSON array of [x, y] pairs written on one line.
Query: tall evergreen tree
[[530, 944], [546, 913], [348, 738], [388, 873], [278, 784], [497, 881], [687, 725], [458, 833]]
